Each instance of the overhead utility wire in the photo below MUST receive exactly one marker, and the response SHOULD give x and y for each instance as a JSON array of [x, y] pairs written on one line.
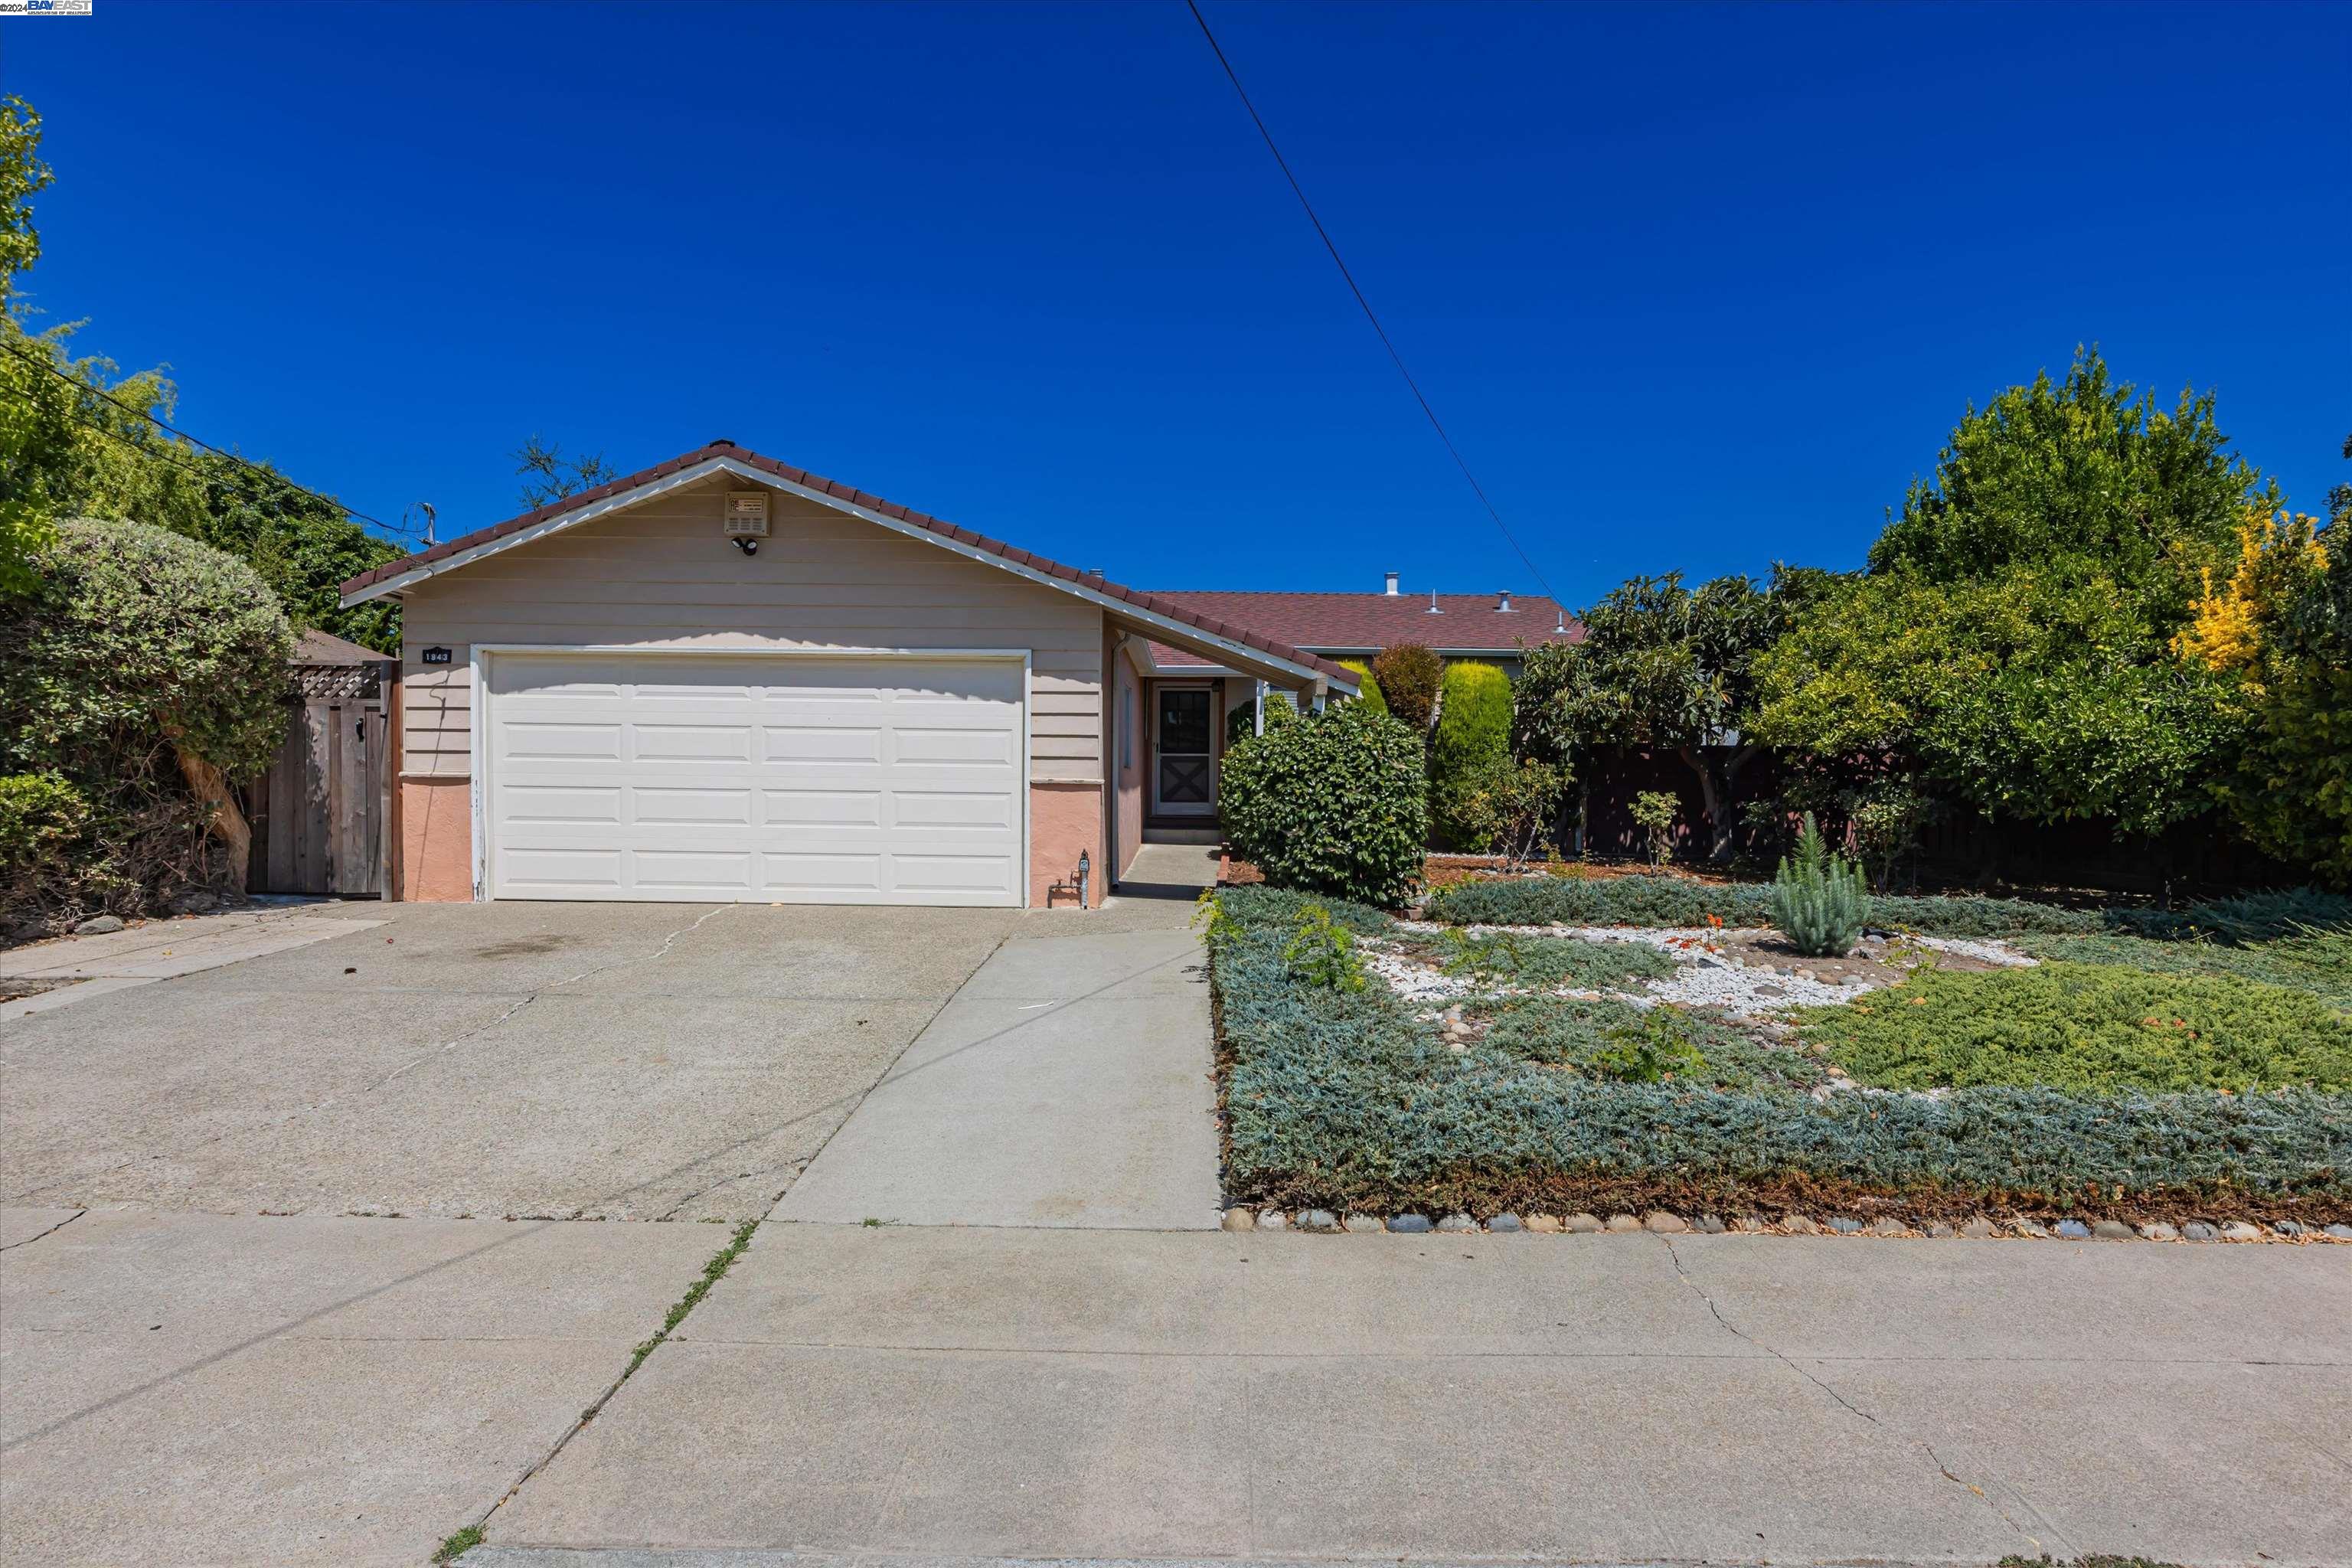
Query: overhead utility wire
[[1398, 359], [43, 363]]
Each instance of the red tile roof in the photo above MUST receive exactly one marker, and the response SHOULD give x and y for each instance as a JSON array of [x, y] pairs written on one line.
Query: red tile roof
[[1351, 623], [1153, 604]]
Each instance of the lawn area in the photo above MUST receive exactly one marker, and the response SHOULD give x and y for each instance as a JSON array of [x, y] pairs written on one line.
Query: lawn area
[[1982, 1066]]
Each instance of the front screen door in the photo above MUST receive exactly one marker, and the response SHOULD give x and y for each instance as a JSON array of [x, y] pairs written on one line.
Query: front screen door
[[1184, 780]]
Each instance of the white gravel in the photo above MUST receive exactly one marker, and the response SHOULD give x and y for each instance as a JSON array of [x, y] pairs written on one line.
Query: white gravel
[[1705, 974]]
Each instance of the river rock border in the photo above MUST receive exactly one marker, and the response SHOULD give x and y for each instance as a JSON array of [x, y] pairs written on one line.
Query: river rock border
[[1982, 1227]]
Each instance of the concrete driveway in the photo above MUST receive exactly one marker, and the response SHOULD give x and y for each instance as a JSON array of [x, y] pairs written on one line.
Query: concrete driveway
[[600, 1061]]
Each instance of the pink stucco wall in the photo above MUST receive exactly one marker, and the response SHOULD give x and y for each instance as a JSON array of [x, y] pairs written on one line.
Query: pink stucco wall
[[1065, 818], [436, 841], [1123, 755]]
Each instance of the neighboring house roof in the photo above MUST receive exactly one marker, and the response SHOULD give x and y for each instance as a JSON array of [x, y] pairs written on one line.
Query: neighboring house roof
[[315, 647], [726, 457], [1465, 626]]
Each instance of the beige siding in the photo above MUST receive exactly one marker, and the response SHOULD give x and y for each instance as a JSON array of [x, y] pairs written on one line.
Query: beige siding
[[661, 576]]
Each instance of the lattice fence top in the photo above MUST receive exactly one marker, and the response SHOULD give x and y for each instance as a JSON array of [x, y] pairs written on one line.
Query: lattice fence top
[[313, 681]]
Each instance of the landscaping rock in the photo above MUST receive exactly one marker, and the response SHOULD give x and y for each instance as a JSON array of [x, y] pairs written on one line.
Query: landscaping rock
[[1709, 1225], [2033, 1228], [1456, 1223], [1240, 1219], [1889, 1225], [1581, 1225], [193, 902], [1667, 1223], [2239, 1230], [2340, 1232], [1797, 1225], [2156, 1230], [1319, 1220], [99, 925], [1505, 1221], [1979, 1229], [1409, 1224], [2197, 1230], [2073, 1230], [1624, 1221], [1273, 1219], [1361, 1224], [2111, 1230], [1846, 1224], [1545, 1224], [1750, 1225], [2287, 1227]]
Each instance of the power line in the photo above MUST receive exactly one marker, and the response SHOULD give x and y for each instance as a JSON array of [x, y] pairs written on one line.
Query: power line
[[1398, 359], [42, 362]]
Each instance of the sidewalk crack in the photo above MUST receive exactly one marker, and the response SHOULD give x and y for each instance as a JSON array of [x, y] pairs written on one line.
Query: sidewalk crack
[[1818, 1382]]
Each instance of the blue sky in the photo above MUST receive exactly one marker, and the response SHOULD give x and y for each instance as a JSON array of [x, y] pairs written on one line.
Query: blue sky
[[1693, 287]]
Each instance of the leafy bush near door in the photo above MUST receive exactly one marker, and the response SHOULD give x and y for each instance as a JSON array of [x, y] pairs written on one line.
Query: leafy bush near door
[[1334, 803], [1472, 737]]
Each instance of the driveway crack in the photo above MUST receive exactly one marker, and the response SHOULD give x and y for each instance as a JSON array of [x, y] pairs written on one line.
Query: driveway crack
[[51, 1231], [1806, 1373]]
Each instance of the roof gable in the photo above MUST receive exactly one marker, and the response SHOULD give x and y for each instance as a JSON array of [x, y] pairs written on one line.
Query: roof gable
[[725, 456]]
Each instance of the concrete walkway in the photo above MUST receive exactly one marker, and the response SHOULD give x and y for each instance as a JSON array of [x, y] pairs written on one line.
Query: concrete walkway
[[1067, 1083], [81, 968]]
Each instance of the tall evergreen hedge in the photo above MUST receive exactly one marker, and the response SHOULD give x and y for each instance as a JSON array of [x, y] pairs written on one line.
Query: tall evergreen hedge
[[1473, 737]]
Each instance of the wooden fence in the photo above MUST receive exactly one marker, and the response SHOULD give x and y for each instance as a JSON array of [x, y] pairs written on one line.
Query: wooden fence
[[320, 813]]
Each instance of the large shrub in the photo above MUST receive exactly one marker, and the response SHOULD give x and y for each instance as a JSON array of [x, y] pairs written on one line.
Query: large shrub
[[1472, 738], [1368, 685], [1408, 674], [1331, 802], [145, 671]]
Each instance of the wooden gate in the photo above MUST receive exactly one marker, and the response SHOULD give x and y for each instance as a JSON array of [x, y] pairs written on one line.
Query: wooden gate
[[320, 812]]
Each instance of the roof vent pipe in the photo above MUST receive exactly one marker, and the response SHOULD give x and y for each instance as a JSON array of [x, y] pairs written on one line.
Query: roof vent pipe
[[1392, 585], [1503, 601], [1433, 604]]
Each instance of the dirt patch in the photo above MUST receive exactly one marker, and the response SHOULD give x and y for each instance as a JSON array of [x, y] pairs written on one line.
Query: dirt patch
[[1880, 960]]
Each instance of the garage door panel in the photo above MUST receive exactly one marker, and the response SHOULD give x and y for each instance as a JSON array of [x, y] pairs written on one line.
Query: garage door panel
[[817, 780], [969, 747], [816, 743], [830, 873]]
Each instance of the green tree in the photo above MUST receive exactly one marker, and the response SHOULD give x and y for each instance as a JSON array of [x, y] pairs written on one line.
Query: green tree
[[2012, 641], [25, 516], [1473, 734], [1667, 667]]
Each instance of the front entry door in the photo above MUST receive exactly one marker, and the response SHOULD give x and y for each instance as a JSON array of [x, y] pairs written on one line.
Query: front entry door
[[1184, 780]]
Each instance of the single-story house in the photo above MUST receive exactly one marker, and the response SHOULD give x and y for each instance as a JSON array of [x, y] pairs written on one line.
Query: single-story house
[[726, 679]]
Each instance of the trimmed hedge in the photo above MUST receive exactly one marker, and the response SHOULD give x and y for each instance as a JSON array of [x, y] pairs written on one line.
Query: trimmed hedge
[[1335, 801], [1655, 901], [1473, 736], [1344, 1100]]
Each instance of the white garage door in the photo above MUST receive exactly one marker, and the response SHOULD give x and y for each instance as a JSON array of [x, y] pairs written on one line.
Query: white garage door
[[726, 777]]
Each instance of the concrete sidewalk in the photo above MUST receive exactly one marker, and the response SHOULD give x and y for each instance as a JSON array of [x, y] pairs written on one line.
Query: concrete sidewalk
[[1066, 1394], [194, 1388], [80, 968], [1067, 1083]]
